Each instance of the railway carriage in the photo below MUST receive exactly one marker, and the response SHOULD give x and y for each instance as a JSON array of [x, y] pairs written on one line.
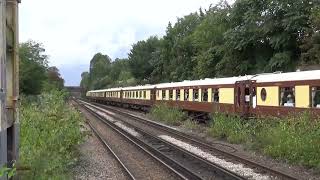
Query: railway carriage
[[138, 97], [200, 97], [280, 94], [113, 96], [276, 94]]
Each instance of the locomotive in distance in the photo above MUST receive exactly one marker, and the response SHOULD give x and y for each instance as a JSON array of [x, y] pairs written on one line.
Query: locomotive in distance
[[275, 94]]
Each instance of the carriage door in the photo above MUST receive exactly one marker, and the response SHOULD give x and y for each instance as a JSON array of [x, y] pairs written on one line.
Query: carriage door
[[243, 90]]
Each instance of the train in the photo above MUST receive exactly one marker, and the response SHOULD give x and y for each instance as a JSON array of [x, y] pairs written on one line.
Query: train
[[260, 95]]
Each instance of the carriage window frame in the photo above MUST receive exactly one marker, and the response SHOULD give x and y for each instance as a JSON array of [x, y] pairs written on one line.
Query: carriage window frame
[[170, 94], [286, 89], [186, 95], [195, 94], [163, 94], [315, 90], [177, 94], [204, 93], [215, 95]]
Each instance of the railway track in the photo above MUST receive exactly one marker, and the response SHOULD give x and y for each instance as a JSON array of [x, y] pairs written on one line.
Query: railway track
[[173, 167], [107, 146], [187, 164], [199, 143]]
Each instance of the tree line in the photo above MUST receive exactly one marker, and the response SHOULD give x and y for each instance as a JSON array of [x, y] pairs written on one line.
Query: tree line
[[35, 75], [246, 37]]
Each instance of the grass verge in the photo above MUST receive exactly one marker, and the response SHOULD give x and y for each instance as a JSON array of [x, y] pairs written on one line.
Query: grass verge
[[50, 131]]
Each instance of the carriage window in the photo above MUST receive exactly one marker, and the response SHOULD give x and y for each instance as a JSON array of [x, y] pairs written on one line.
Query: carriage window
[[316, 97], [140, 94], [144, 94], [177, 94], [170, 94], [195, 94], [263, 94], [247, 95], [215, 95], [186, 94], [287, 96], [204, 95], [163, 94], [137, 94]]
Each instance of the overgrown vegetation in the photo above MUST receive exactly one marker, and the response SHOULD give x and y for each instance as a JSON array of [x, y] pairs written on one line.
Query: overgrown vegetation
[[50, 131], [246, 37], [231, 128], [191, 124], [295, 139], [166, 114]]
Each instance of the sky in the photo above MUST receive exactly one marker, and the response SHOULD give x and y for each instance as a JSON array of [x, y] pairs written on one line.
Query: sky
[[72, 31]]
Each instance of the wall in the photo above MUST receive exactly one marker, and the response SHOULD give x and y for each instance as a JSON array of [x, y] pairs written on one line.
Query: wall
[[272, 98]]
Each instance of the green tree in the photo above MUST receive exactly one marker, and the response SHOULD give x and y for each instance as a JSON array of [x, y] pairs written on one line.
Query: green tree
[[247, 37], [33, 67], [85, 82], [54, 81], [99, 69], [140, 58]]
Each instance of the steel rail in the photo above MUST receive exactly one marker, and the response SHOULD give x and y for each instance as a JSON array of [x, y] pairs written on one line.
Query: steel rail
[[227, 174], [201, 143], [173, 166]]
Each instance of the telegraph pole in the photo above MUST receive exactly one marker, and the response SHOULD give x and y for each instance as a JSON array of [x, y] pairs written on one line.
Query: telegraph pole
[[9, 82]]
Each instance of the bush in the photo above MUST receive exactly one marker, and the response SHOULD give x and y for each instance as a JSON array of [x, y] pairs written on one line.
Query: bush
[[50, 131], [169, 115]]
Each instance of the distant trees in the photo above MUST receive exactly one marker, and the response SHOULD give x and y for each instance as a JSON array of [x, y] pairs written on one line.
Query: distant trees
[[103, 73], [247, 37], [34, 73]]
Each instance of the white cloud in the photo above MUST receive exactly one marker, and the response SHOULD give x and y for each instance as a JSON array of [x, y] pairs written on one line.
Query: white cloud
[[72, 31]]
